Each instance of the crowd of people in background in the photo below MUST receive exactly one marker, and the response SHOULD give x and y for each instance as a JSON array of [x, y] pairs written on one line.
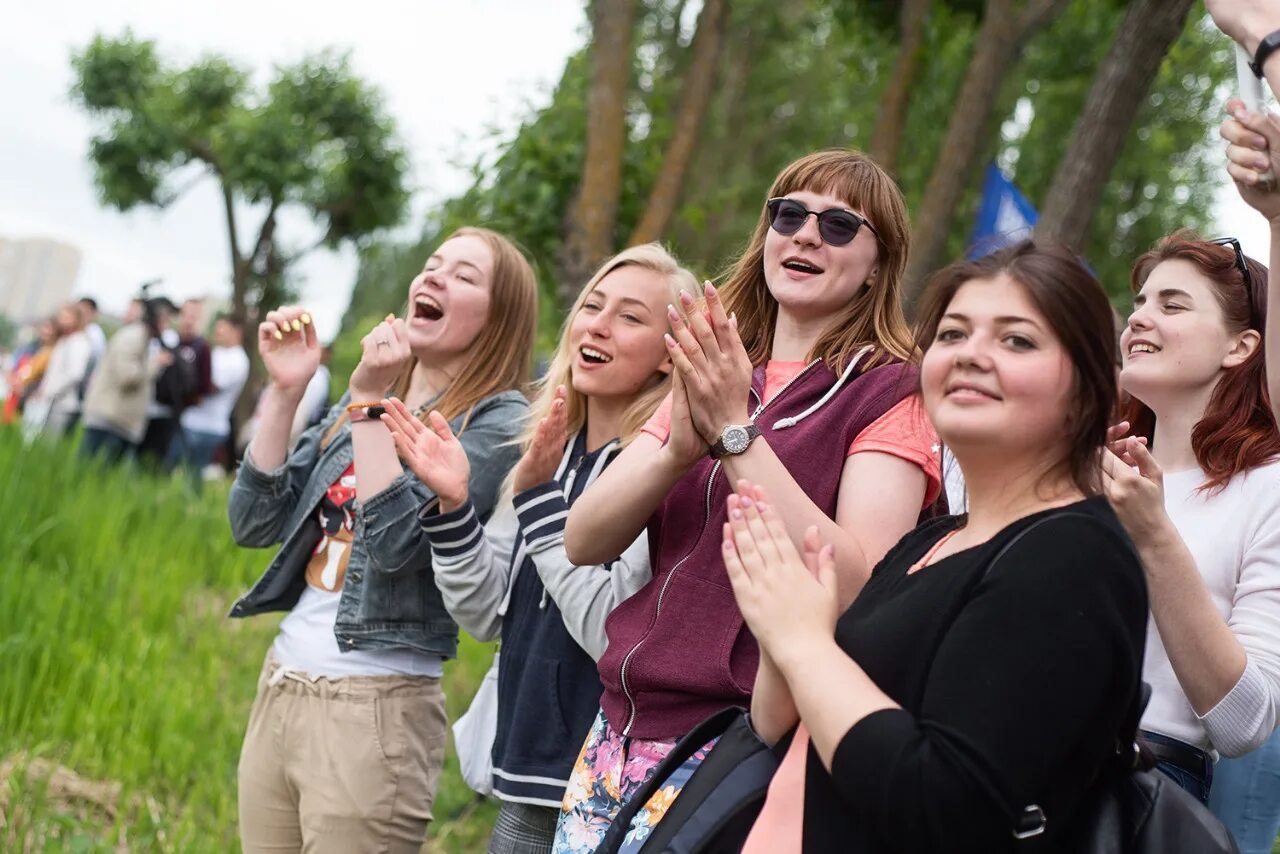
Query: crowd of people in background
[[157, 391]]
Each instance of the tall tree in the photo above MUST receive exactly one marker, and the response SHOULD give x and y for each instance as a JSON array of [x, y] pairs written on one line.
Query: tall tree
[[1146, 32], [698, 84], [318, 139], [886, 138], [1007, 25], [589, 228]]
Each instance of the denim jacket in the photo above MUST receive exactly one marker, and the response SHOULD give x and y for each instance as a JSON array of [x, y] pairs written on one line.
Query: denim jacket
[[389, 596]]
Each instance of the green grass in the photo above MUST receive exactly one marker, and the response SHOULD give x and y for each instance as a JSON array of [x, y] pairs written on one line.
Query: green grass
[[119, 670]]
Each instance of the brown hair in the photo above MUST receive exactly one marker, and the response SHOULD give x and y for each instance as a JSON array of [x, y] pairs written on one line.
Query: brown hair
[[1237, 431], [1077, 311], [874, 315], [500, 357]]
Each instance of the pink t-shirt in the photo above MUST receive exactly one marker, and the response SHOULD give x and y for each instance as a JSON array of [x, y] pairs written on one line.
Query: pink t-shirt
[[904, 431]]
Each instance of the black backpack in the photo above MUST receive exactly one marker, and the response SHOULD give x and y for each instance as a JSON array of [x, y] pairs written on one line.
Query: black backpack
[[722, 798]]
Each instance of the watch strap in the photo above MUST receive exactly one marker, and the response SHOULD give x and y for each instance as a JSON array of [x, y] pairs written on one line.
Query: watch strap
[[1266, 47]]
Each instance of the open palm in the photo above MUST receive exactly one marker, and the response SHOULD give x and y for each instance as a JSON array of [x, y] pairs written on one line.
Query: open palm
[[431, 452]]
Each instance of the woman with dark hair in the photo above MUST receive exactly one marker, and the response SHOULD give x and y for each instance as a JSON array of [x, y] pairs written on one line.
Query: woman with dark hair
[[978, 683], [1203, 504]]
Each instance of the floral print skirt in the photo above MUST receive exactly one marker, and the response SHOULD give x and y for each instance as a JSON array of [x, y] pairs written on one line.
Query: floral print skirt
[[609, 770]]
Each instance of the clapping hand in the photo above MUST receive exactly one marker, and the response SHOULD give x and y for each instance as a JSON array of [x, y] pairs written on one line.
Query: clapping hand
[[432, 453], [289, 347], [712, 363], [538, 465]]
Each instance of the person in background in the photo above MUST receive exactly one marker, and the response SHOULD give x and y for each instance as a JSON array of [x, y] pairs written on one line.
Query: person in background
[[180, 385], [120, 390], [50, 409], [29, 365], [97, 338], [206, 426], [134, 311]]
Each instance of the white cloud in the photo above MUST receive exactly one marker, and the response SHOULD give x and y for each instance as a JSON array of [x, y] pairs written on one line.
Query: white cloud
[[448, 70]]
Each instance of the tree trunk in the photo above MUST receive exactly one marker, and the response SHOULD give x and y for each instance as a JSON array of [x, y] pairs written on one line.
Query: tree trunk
[[698, 84], [593, 216], [1007, 25], [886, 138], [239, 267], [1146, 32]]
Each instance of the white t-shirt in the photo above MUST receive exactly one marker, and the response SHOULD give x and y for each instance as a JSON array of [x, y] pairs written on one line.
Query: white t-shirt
[[306, 641], [230, 370], [1234, 536]]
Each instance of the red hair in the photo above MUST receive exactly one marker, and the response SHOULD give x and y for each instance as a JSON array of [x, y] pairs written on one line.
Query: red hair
[[1237, 431]]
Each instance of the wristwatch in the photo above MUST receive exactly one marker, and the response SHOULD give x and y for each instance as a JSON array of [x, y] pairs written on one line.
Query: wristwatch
[[734, 439], [1265, 48]]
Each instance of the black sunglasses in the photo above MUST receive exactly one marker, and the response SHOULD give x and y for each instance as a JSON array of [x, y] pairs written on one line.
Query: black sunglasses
[[836, 225], [1241, 264]]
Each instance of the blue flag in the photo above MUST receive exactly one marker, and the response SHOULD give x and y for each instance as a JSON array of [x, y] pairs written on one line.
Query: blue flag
[[1004, 217]]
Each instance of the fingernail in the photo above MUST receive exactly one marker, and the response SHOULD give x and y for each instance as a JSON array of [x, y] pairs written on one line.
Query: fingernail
[[708, 288], [733, 320], [762, 506], [1239, 113], [671, 342], [727, 546], [746, 502], [672, 314], [686, 298], [297, 326], [735, 513], [279, 335], [306, 318]]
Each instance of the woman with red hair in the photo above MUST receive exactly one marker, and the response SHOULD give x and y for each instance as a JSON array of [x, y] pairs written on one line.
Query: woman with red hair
[[1197, 486]]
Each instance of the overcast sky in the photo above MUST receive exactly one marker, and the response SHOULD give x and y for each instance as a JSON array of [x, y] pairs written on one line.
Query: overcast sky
[[448, 69]]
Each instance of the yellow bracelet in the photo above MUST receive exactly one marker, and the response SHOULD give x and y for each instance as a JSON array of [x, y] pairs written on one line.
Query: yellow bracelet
[[352, 407]]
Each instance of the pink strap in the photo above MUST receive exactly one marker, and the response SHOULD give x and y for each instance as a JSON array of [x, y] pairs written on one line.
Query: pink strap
[[780, 827]]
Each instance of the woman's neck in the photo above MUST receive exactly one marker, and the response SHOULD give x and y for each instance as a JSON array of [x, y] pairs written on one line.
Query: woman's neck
[[1175, 422], [604, 420], [426, 383], [794, 337], [1001, 490]]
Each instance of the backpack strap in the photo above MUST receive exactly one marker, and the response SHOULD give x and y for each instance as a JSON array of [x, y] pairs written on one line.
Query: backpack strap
[[712, 727]]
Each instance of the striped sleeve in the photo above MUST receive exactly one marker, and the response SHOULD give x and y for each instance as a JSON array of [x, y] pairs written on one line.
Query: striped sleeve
[[542, 512], [456, 535]]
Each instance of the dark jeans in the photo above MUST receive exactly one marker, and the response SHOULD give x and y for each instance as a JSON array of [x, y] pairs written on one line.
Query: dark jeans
[[154, 447], [111, 447], [1198, 784], [193, 450]]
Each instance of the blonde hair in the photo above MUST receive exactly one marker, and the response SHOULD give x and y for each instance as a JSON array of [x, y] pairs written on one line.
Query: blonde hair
[[874, 316], [649, 256], [500, 357]]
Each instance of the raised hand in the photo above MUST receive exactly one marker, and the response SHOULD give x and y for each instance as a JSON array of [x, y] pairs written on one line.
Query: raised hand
[[786, 603], [1136, 496], [1245, 21], [1253, 149], [712, 362], [538, 465], [385, 352], [431, 452], [289, 347]]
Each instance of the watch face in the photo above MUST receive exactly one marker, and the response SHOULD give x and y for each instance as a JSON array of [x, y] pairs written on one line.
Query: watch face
[[735, 440]]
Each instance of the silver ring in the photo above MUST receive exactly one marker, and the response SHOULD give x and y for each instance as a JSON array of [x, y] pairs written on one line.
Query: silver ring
[[384, 343]]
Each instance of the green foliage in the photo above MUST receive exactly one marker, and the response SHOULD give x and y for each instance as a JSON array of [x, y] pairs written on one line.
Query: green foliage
[[121, 666], [318, 138]]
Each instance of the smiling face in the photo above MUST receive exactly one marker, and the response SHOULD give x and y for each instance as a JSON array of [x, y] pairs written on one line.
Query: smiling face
[[616, 334], [996, 377], [1176, 343], [810, 278], [449, 300]]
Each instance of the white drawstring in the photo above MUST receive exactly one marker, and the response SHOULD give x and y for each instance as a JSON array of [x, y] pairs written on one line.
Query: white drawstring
[[793, 420], [284, 672]]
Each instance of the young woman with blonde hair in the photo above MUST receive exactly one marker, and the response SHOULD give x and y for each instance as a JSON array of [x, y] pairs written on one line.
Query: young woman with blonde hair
[[511, 578], [797, 373], [345, 741]]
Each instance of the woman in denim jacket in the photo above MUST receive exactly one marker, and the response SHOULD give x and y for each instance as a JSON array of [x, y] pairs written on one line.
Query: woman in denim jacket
[[346, 737]]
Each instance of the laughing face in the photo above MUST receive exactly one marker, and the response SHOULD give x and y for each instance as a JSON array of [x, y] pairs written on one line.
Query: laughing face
[[617, 334], [1176, 342], [449, 300], [995, 375], [811, 279]]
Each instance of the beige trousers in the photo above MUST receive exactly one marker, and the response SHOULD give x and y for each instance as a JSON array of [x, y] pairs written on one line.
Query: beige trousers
[[340, 765]]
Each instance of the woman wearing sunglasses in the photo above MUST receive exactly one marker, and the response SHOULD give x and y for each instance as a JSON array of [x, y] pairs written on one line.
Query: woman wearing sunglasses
[[796, 374], [1197, 486]]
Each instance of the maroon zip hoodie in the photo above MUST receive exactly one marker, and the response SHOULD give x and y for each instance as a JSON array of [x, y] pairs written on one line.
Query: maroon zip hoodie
[[679, 649]]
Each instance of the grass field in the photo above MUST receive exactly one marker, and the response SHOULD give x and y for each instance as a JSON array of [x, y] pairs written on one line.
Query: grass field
[[124, 690]]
